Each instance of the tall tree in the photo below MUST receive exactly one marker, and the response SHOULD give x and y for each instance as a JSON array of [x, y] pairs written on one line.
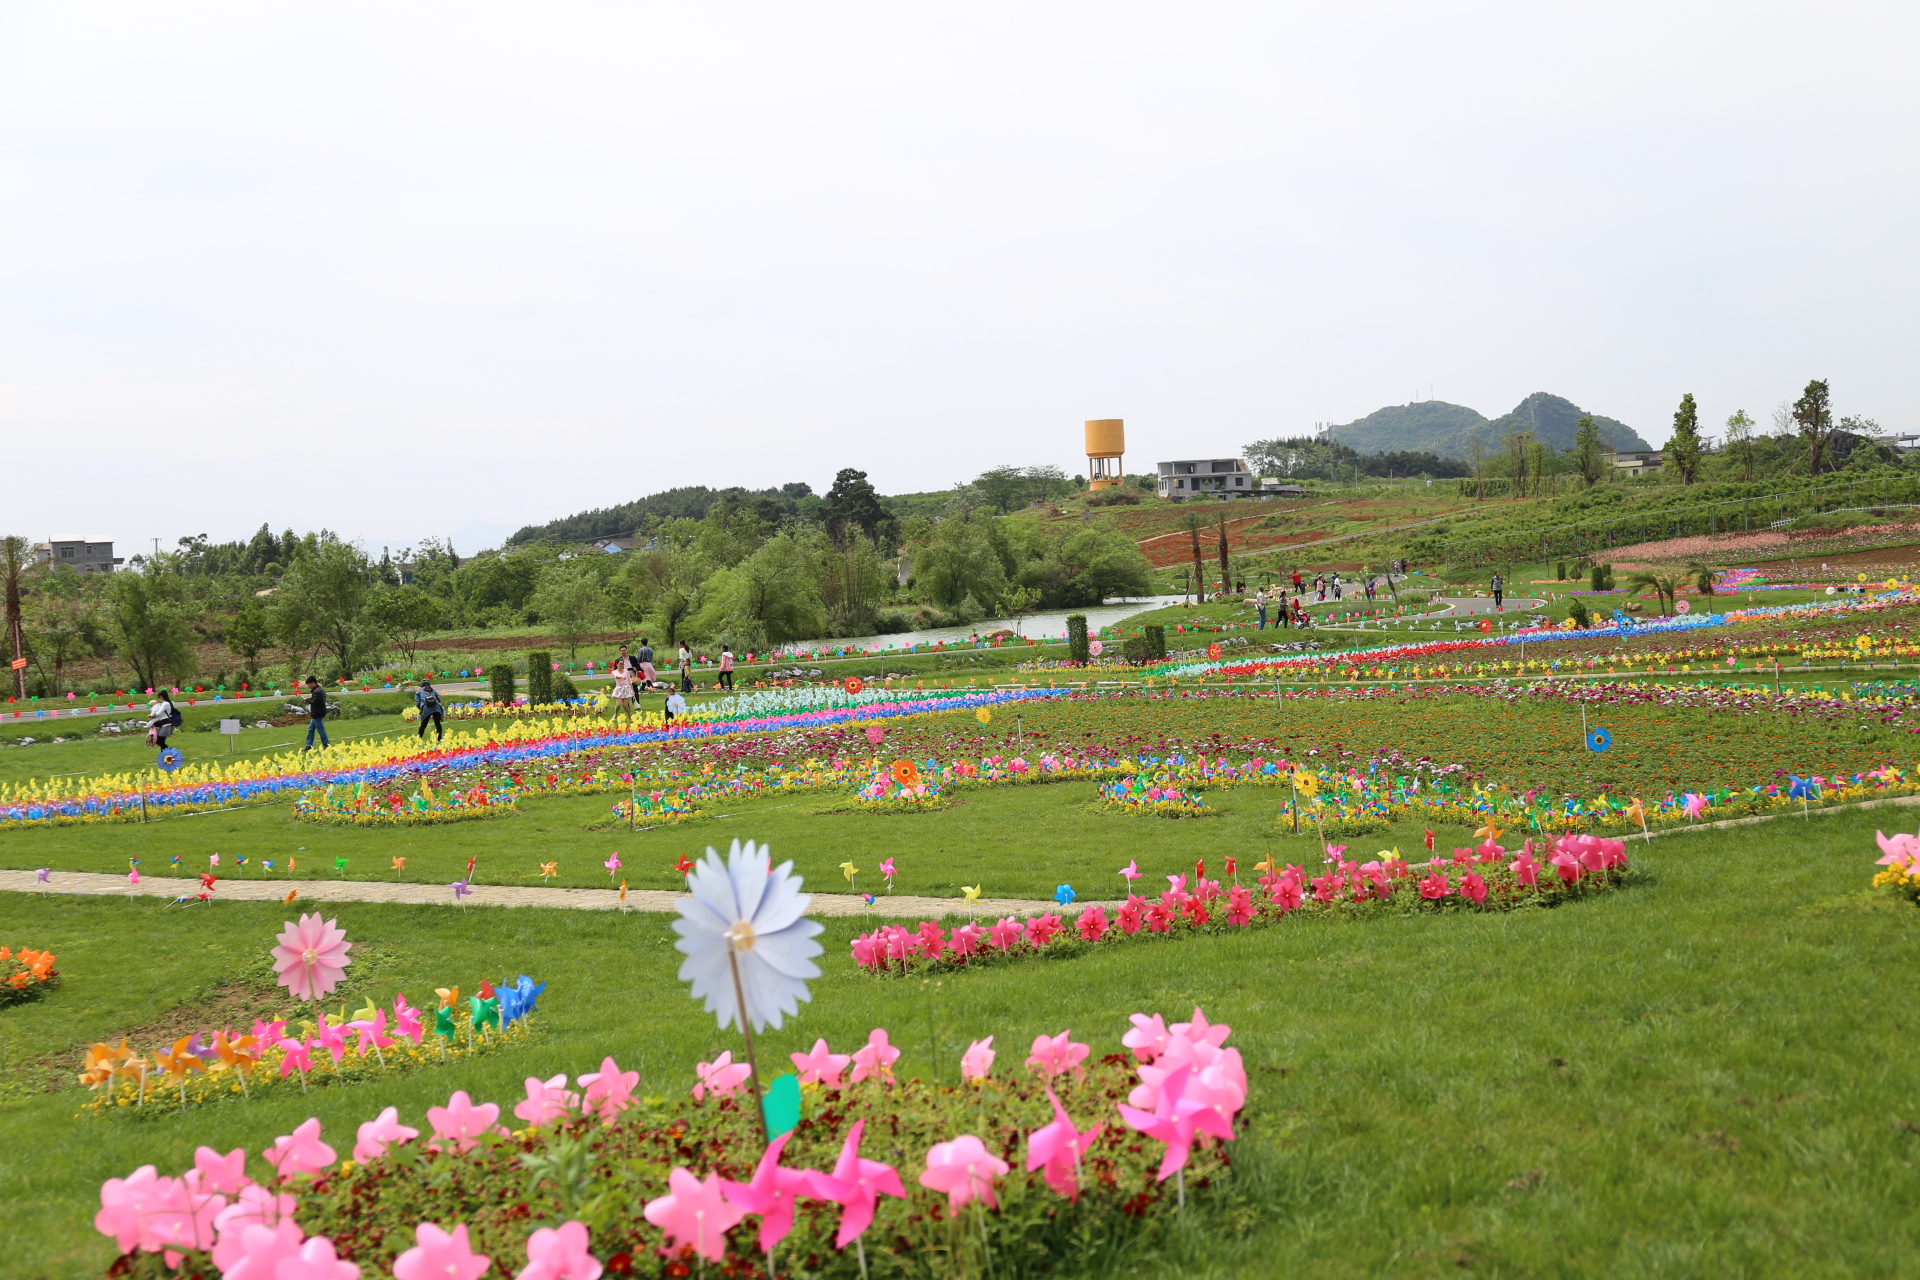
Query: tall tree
[[1683, 446], [1519, 448], [403, 615], [569, 600], [15, 556], [326, 590], [1813, 415], [1192, 522], [249, 634], [1222, 531], [1740, 441], [852, 503], [1587, 451], [151, 624]]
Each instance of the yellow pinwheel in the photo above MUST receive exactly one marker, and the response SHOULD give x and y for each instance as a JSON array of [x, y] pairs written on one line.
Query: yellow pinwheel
[[848, 870], [449, 997], [972, 893], [1306, 783], [984, 715], [100, 1066]]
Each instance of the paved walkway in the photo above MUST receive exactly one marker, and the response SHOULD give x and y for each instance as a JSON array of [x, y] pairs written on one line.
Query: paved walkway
[[491, 895]]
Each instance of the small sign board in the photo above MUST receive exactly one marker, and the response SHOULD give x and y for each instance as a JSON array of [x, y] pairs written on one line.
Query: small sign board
[[232, 729]]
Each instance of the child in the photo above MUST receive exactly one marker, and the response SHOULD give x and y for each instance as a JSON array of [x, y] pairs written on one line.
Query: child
[[676, 705]]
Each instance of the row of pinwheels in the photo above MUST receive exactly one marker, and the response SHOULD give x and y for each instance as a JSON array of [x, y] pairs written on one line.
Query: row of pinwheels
[[25, 973]]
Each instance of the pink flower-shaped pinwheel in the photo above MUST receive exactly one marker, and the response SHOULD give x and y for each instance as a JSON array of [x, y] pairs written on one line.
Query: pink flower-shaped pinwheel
[[1092, 924], [311, 957], [1058, 1147], [126, 1203], [316, 1260], [1526, 871], [1175, 1120], [440, 1255], [856, 1185], [301, 1151], [1239, 906], [461, 1122], [560, 1253], [875, 1058], [1473, 887], [772, 1192], [547, 1101], [255, 1252], [1148, 1039], [869, 950], [1041, 928], [976, 1064], [693, 1213], [1054, 1054], [966, 939], [965, 1170], [1566, 864], [378, 1134], [609, 1091], [221, 1174], [822, 1067], [406, 1019], [1899, 851], [256, 1206], [1004, 934], [720, 1077]]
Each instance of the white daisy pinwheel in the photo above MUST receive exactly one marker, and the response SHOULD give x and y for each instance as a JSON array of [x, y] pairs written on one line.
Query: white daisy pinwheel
[[745, 936]]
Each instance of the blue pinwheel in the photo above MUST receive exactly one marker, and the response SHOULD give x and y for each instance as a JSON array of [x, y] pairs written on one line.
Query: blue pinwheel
[[1803, 788], [1599, 740], [518, 999], [1064, 895], [169, 759]]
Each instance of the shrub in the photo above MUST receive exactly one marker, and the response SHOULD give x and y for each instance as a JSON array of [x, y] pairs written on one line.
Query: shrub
[[1156, 638], [500, 681], [1137, 650], [539, 677], [892, 622], [1077, 637], [564, 687], [1581, 615], [1602, 577]]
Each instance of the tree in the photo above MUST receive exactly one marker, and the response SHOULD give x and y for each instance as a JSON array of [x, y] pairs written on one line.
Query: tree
[[249, 633], [326, 592], [853, 503], [960, 560], [14, 560], [1222, 531], [1813, 416], [1740, 441], [62, 624], [1663, 585], [1587, 451], [1683, 447], [1191, 523], [1519, 447], [403, 615], [151, 625], [1477, 458], [570, 601], [1703, 576]]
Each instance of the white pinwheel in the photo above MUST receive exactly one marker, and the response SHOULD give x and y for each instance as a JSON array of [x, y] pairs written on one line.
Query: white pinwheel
[[746, 937]]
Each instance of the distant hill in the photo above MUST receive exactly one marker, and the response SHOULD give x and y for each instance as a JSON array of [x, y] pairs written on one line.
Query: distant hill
[[690, 502], [1438, 427]]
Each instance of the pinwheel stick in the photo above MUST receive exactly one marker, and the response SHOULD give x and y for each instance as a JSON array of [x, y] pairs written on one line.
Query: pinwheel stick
[[746, 1030]]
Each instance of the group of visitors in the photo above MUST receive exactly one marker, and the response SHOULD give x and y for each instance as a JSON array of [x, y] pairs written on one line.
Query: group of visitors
[[634, 674], [1288, 609]]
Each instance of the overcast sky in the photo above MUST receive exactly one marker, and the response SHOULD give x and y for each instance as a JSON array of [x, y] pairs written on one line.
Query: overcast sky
[[410, 269]]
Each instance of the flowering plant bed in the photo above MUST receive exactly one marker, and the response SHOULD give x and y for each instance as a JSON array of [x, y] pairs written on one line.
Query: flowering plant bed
[[652, 808], [1900, 863], [362, 806], [1476, 879], [25, 974], [1153, 797], [1026, 1171]]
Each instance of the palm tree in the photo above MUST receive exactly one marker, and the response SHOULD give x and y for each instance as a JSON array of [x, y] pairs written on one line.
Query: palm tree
[[1665, 585], [1193, 522], [1703, 576]]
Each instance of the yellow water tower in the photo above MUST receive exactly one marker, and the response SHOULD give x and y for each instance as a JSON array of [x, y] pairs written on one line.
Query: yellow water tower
[[1106, 442]]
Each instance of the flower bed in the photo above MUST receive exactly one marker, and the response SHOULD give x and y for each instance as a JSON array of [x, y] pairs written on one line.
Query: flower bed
[[1900, 860], [1152, 797], [898, 1178], [25, 974], [362, 806], [900, 788], [1476, 879]]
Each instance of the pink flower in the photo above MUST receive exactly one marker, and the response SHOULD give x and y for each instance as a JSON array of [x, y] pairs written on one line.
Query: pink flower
[[1040, 929], [378, 1134], [966, 939], [316, 1260], [1436, 886], [692, 1213], [976, 1064], [1058, 1148], [300, 1152], [1473, 887], [875, 1058], [559, 1253], [1005, 934], [965, 1170], [821, 1067], [720, 1077], [1131, 916], [608, 1091], [1092, 924], [461, 1122], [1054, 1054], [932, 940], [312, 957], [547, 1101], [438, 1255], [1239, 906], [1526, 871]]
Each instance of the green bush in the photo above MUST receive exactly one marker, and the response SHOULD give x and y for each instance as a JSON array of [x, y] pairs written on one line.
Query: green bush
[[500, 681], [1077, 638], [539, 676], [1137, 650], [1156, 638], [1602, 577], [1581, 615], [564, 687]]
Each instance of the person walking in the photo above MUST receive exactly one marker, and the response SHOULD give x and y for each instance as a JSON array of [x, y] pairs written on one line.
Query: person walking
[[316, 713], [1499, 585], [1336, 586], [1260, 607], [162, 719], [644, 657], [1296, 582], [427, 699], [726, 667], [686, 668]]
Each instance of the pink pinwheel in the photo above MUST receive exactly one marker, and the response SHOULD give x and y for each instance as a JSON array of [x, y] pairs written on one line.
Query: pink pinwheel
[[693, 1213], [372, 1034], [965, 1170], [1199, 1031], [1176, 884], [461, 1122], [720, 1077], [1175, 1121], [772, 1192], [547, 1101], [1149, 1036], [332, 1038], [126, 1203], [965, 939], [220, 1174], [886, 869], [976, 1064], [1092, 924], [609, 1091], [255, 1206], [875, 1058], [1004, 934], [612, 865], [255, 1252], [856, 1185], [1054, 1054], [268, 1033], [868, 950], [1473, 887], [1526, 871], [1899, 851], [1131, 871], [821, 1067], [1041, 928], [406, 1019], [298, 1057], [381, 1132], [1566, 864], [440, 1255], [1239, 906], [1159, 918], [932, 940], [316, 1260], [1058, 1147], [1436, 886], [312, 957], [1287, 895], [1695, 805], [299, 1152], [1131, 915], [560, 1253]]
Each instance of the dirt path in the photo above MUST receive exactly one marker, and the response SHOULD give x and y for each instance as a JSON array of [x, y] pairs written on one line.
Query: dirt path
[[886, 906]]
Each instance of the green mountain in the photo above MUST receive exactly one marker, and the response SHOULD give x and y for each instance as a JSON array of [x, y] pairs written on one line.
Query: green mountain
[[1446, 429]]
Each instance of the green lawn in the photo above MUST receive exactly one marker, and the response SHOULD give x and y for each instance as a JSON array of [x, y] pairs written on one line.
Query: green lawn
[[1699, 1075]]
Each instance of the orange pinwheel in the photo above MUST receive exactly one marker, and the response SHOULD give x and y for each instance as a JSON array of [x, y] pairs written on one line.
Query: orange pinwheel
[[1267, 866], [449, 997], [291, 895], [906, 773], [549, 869], [232, 1052], [180, 1061], [101, 1064], [1488, 832], [399, 864]]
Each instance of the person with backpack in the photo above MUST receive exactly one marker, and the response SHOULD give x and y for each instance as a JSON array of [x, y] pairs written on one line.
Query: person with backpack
[[726, 667], [427, 698], [162, 719], [316, 713]]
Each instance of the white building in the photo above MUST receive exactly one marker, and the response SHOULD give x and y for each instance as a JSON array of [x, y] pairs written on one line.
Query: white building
[[82, 555], [1205, 478]]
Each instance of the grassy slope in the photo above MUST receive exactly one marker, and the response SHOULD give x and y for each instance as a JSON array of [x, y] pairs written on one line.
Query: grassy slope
[[1697, 1076]]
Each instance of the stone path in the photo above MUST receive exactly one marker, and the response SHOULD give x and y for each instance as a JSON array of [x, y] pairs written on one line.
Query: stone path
[[886, 906]]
